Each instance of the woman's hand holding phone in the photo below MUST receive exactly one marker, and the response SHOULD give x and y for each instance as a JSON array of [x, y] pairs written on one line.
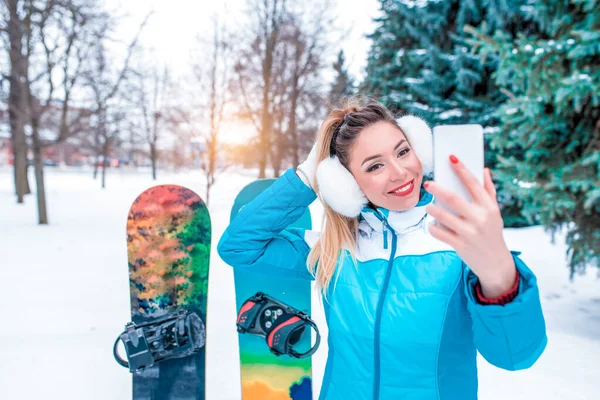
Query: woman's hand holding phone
[[474, 229]]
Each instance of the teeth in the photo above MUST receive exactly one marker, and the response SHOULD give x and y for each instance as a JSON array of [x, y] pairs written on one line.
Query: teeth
[[404, 189]]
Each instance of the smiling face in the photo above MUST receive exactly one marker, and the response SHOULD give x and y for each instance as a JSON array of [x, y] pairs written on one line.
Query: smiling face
[[386, 168]]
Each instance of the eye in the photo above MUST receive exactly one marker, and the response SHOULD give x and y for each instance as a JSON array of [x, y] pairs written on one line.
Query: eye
[[404, 152], [373, 167]]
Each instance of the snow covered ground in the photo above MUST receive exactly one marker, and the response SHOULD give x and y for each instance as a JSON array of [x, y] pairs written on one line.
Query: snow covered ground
[[64, 298]]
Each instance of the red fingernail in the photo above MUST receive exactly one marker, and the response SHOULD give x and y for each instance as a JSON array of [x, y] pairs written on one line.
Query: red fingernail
[[425, 185], [453, 159]]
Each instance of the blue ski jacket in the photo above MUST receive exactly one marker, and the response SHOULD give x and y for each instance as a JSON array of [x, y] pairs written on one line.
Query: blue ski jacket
[[404, 323]]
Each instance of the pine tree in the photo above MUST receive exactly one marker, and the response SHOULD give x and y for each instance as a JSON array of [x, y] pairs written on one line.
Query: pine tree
[[552, 83], [394, 56], [343, 84], [421, 63]]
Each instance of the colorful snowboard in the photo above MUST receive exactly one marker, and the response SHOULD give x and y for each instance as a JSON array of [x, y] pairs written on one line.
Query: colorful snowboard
[[264, 375], [168, 246]]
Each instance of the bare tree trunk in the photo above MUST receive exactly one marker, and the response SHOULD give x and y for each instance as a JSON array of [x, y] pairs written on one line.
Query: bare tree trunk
[[20, 169], [278, 150], [35, 115], [96, 161], [16, 102], [277, 158], [19, 149], [20, 164], [154, 137], [210, 179], [38, 165], [153, 157], [212, 146], [273, 23], [217, 100], [293, 129], [265, 127], [96, 153], [208, 186], [105, 148]]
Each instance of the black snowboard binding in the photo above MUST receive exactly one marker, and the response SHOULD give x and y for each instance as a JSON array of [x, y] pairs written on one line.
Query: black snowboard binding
[[281, 325], [176, 335]]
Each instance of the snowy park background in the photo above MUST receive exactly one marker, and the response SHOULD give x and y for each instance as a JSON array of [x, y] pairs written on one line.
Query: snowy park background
[[97, 96], [64, 298]]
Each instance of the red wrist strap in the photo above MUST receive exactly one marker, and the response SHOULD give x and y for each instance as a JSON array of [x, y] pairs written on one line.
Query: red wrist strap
[[501, 300]]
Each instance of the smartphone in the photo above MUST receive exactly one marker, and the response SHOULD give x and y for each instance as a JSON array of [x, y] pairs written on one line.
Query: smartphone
[[466, 143]]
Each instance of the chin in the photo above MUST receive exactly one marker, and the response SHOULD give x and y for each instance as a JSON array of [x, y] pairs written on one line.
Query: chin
[[403, 204]]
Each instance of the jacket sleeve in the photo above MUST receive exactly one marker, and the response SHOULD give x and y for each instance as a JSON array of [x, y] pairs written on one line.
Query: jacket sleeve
[[510, 336], [257, 237]]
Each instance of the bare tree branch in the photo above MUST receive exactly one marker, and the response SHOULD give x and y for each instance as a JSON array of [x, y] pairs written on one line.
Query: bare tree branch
[[128, 57]]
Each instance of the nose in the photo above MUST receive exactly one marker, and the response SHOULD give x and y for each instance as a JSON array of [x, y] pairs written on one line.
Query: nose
[[397, 171]]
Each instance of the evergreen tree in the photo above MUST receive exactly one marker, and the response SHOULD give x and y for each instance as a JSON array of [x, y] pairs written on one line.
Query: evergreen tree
[[420, 63], [552, 115], [394, 56], [343, 84]]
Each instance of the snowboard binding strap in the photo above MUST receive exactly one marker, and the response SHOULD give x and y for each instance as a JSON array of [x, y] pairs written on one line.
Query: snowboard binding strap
[[281, 325], [174, 335]]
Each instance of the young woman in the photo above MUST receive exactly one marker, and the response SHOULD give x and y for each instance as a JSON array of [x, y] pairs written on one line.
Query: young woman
[[408, 304]]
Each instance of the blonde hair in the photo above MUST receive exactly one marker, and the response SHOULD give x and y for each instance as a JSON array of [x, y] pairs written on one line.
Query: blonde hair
[[341, 232]]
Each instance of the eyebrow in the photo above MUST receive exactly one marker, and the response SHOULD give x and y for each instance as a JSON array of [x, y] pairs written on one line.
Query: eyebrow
[[379, 155]]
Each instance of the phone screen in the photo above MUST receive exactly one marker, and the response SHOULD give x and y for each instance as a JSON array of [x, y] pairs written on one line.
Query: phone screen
[[466, 143]]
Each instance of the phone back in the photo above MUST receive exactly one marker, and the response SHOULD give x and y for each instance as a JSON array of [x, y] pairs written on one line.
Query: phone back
[[466, 143]]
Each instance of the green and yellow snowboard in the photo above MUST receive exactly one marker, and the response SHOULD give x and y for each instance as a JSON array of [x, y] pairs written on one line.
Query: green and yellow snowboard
[[265, 376]]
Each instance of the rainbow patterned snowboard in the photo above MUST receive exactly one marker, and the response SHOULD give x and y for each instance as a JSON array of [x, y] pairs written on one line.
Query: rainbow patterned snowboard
[[168, 246], [265, 376]]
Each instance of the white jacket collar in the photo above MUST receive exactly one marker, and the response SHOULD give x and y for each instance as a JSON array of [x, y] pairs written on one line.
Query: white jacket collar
[[400, 221]]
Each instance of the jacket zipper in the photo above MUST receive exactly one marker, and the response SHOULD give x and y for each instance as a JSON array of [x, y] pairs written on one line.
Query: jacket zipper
[[379, 311]]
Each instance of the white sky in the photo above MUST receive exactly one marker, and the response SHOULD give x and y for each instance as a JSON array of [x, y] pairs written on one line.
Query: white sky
[[173, 29]]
